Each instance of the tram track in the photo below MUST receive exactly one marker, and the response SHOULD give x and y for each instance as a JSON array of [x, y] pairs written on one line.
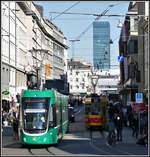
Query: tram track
[[47, 151], [29, 150]]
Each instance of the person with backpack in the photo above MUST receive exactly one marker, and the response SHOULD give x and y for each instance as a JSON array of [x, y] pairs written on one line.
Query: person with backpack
[[119, 125], [135, 126], [111, 139]]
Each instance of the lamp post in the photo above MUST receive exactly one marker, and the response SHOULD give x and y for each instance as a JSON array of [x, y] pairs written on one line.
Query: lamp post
[[94, 79], [43, 52]]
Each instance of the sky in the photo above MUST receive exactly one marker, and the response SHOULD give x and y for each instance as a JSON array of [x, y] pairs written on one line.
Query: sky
[[73, 25]]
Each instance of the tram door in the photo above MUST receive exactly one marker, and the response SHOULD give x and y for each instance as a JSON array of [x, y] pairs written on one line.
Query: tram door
[[61, 123]]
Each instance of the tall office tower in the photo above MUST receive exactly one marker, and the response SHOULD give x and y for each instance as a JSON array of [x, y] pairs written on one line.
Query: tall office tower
[[101, 45]]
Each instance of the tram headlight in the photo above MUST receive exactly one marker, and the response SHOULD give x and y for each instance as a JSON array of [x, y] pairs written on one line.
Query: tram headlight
[[44, 140], [34, 138], [24, 139]]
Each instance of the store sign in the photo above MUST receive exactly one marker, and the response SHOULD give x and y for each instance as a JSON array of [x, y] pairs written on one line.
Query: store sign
[[5, 92], [47, 71], [139, 97]]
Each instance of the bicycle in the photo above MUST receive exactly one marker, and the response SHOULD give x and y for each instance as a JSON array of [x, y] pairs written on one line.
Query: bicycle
[[111, 138]]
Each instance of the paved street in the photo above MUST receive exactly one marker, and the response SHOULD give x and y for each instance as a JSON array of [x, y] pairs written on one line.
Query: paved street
[[76, 142]]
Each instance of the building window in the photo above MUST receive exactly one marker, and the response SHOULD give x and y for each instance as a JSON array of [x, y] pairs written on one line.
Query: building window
[[77, 72], [46, 41], [133, 47], [77, 86], [135, 24]]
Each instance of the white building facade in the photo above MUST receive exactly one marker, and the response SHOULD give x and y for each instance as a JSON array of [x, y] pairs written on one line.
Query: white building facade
[[79, 77], [28, 42], [108, 81]]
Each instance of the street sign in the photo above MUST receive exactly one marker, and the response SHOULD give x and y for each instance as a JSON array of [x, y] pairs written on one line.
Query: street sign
[[120, 58], [139, 97]]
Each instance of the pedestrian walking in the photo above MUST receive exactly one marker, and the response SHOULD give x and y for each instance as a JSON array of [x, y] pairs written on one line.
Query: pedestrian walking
[[111, 138], [130, 116], [124, 111], [119, 125], [15, 123], [135, 126]]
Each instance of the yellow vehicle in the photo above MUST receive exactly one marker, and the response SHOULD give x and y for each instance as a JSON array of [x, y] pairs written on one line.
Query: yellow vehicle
[[95, 111]]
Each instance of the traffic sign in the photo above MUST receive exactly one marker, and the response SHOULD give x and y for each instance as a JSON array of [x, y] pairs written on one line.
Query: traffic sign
[[120, 58], [139, 97]]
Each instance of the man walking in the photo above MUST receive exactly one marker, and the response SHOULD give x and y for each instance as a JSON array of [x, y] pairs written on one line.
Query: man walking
[[118, 124], [135, 126]]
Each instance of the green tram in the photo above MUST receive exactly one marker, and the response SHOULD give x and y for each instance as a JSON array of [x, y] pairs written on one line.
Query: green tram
[[43, 117]]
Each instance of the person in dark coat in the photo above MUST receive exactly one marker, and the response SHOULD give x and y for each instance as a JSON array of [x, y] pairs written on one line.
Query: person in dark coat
[[130, 119], [118, 120], [15, 124], [135, 126]]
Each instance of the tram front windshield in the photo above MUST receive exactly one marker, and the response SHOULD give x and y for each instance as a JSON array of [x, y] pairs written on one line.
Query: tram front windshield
[[35, 114]]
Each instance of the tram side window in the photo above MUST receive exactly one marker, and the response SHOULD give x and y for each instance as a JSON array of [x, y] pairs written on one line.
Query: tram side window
[[95, 108], [51, 123], [58, 115], [54, 116], [87, 109]]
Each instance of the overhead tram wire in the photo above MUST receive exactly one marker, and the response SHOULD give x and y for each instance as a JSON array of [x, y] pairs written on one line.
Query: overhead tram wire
[[92, 14], [115, 15], [97, 18], [65, 10]]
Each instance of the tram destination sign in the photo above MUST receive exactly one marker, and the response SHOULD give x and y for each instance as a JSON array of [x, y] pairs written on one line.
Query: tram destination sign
[[35, 101]]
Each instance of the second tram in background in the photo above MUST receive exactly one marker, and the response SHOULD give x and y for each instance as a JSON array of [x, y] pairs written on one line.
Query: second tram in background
[[95, 111]]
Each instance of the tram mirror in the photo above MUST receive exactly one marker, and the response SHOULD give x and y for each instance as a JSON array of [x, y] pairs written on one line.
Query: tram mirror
[[51, 124]]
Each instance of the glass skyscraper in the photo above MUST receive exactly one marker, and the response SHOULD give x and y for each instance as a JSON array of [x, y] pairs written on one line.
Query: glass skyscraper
[[101, 45]]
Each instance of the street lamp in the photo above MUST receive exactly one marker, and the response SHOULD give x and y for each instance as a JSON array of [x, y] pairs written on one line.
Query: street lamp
[[40, 67], [94, 80]]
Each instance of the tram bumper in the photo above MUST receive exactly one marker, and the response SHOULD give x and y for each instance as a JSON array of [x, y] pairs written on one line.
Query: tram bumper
[[47, 138]]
